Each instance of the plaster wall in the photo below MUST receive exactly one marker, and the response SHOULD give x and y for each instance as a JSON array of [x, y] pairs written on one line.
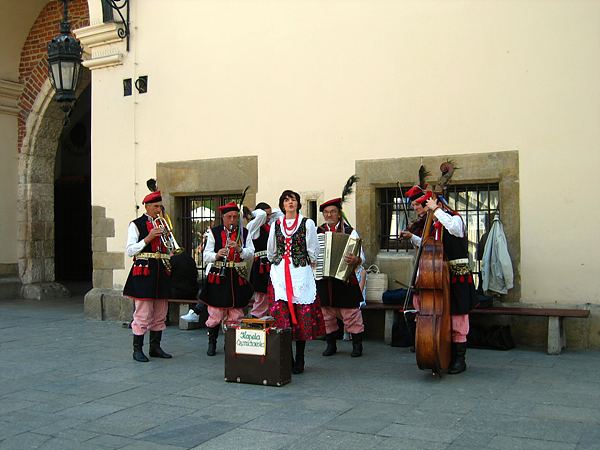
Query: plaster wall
[[310, 87], [16, 18]]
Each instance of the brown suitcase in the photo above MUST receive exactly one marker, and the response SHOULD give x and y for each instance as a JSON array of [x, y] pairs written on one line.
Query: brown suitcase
[[272, 369]]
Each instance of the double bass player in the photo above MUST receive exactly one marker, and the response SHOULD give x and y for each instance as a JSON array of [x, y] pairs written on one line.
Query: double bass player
[[449, 227]]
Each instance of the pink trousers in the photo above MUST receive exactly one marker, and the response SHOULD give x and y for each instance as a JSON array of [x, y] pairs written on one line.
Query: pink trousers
[[149, 315], [228, 315], [460, 327], [260, 307], [352, 318]]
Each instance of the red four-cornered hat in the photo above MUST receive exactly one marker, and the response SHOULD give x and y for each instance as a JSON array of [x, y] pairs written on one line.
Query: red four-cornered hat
[[231, 206], [425, 197], [414, 193], [152, 197], [333, 202]]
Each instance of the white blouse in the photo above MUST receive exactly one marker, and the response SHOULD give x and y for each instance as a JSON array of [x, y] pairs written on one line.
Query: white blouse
[[303, 280]]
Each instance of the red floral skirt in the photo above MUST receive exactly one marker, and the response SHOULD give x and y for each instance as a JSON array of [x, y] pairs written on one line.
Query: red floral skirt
[[310, 324]]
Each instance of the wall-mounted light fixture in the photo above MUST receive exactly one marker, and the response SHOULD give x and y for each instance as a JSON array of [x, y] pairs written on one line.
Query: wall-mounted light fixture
[[64, 62], [141, 84], [118, 5]]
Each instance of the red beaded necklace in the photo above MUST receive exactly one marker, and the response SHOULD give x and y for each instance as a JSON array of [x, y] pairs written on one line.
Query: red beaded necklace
[[289, 230]]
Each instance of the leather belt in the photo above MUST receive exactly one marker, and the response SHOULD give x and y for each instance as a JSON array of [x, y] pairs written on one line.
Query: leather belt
[[455, 262], [156, 255], [261, 253], [230, 264]]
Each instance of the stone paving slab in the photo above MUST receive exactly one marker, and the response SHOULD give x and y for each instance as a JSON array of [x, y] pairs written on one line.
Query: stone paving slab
[[70, 383]]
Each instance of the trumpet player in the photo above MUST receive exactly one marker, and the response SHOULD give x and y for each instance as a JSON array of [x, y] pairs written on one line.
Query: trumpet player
[[227, 290], [149, 280]]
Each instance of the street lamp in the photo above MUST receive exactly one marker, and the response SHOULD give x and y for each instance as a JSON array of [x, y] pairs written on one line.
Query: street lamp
[[64, 62]]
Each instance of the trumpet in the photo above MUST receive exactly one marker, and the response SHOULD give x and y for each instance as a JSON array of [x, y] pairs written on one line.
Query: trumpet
[[167, 237]]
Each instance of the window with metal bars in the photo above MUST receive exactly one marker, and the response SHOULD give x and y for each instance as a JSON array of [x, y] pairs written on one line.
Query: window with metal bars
[[476, 203], [200, 213]]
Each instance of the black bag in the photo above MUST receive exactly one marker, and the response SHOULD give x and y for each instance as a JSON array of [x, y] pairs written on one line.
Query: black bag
[[184, 277], [483, 301], [394, 296], [497, 337], [403, 330]]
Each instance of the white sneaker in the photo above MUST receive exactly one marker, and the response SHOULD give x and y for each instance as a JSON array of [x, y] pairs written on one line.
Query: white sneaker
[[191, 316]]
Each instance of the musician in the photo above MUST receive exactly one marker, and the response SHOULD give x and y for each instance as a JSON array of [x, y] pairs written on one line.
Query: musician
[[339, 299], [450, 226], [226, 291], [417, 226], [149, 280], [292, 249], [258, 231], [415, 196]]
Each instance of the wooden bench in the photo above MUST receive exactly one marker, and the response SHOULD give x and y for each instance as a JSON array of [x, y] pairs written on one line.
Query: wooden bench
[[556, 333], [557, 339], [389, 317]]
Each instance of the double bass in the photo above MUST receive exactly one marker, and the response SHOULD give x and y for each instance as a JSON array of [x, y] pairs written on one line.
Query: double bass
[[433, 339]]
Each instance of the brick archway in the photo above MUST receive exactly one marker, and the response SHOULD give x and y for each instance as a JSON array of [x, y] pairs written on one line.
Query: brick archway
[[40, 122]]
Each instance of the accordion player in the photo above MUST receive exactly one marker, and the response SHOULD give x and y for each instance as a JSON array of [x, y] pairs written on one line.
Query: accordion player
[[332, 249]]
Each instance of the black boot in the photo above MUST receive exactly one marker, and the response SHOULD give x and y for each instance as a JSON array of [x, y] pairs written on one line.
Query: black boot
[[299, 361], [138, 353], [155, 350], [357, 347], [331, 347], [212, 340], [458, 364]]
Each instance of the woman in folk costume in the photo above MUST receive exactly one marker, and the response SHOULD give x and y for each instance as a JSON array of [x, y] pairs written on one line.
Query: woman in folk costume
[[292, 249], [227, 291]]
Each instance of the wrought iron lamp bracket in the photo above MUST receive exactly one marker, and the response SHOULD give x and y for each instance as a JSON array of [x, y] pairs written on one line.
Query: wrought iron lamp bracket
[[118, 6]]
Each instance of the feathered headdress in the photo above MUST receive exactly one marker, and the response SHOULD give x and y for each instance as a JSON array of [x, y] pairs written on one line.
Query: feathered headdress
[[349, 187], [423, 174], [346, 192], [151, 183], [241, 219]]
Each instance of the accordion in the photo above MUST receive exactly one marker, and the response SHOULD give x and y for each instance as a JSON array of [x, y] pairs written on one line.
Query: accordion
[[330, 260]]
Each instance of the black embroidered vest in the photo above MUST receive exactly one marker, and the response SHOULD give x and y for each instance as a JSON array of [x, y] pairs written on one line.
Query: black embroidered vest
[[260, 243], [299, 252], [140, 223], [455, 247]]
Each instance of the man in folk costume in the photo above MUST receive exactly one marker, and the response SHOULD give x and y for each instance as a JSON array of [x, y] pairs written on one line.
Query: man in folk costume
[[258, 231], [450, 228], [226, 291], [149, 280], [412, 195], [340, 299]]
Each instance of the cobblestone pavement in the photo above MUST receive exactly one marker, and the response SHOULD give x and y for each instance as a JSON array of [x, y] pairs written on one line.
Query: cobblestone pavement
[[70, 383]]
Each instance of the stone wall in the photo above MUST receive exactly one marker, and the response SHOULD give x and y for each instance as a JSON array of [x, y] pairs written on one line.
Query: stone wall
[[104, 262], [497, 167]]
